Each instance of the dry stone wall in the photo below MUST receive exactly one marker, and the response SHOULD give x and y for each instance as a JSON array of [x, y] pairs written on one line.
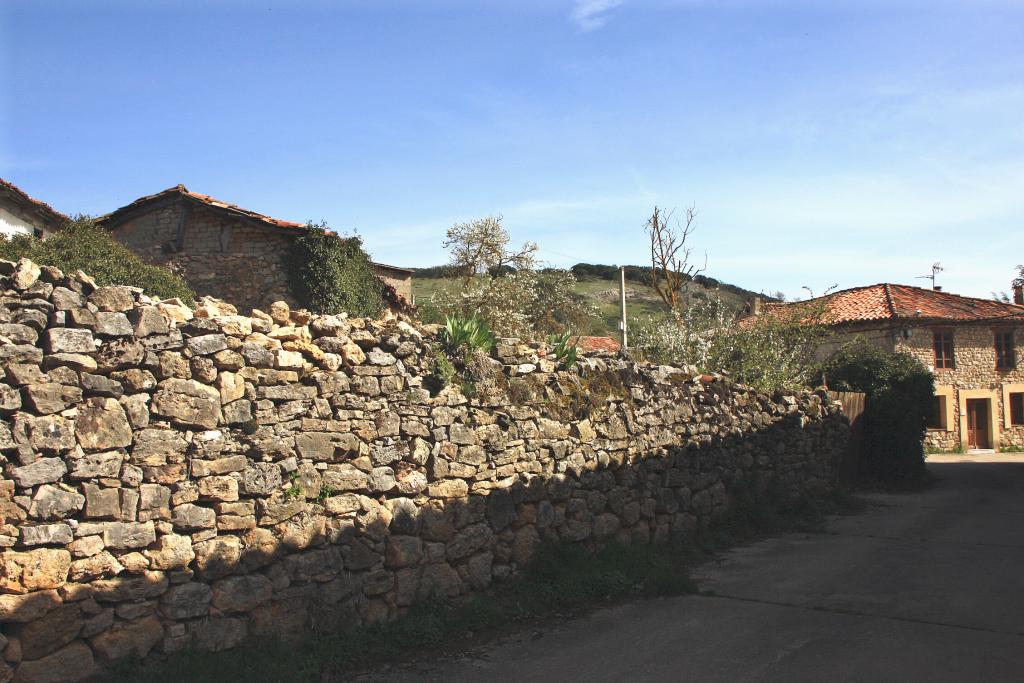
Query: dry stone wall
[[176, 478]]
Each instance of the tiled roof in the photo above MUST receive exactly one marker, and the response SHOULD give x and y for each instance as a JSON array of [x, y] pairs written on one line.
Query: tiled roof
[[203, 199], [901, 302], [407, 271], [48, 211], [591, 344]]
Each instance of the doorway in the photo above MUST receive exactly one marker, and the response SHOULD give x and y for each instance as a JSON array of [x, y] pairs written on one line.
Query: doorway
[[977, 423]]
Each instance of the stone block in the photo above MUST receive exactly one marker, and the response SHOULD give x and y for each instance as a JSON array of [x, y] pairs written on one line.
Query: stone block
[[51, 632], [92, 465], [112, 298], [42, 471], [45, 399], [70, 664], [218, 557], [191, 517], [128, 639], [154, 502], [241, 593], [53, 502], [69, 340], [101, 425], [186, 601], [123, 535], [170, 552], [112, 324], [46, 534], [102, 503], [33, 570], [188, 403], [222, 488]]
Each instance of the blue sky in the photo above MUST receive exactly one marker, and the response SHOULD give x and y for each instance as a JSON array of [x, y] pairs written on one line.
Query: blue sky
[[845, 142]]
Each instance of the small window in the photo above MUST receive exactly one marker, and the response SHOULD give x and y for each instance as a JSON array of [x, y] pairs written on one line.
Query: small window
[[937, 417], [1006, 357], [1017, 409], [943, 345]]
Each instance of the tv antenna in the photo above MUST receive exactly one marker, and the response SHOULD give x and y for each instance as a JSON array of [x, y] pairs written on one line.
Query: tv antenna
[[936, 269]]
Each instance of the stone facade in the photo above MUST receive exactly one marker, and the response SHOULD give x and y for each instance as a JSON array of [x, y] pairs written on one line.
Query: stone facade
[[229, 257], [974, 375], [177, 478], [399, 278]]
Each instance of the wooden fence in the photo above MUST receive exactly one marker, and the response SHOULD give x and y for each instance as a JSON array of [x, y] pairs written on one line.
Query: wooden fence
[[853, 407]]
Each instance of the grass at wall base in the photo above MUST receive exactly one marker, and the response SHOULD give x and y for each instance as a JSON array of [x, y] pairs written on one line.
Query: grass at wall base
[[563, 580]]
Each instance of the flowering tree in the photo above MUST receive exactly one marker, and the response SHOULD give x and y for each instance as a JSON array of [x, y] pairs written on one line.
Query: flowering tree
[[504, 288]]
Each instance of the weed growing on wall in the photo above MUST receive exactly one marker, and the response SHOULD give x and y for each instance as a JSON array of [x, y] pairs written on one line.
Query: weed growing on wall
[[333, 274], [82, 245], [564, 349], [462, 336]]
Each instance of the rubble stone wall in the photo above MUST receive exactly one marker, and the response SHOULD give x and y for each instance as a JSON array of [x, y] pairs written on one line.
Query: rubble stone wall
[[176, 478]]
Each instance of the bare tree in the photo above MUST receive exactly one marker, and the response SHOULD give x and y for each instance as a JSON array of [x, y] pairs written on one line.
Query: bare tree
[[480, 247], [670, 254]]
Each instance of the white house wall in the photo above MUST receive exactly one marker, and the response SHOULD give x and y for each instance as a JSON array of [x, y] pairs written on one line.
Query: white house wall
[[11, 225]]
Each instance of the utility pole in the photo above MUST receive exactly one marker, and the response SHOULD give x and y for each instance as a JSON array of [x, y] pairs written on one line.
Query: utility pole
[[622, 299]]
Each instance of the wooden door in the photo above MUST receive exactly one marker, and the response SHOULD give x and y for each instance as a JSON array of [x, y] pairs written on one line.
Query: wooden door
[[977, 423]]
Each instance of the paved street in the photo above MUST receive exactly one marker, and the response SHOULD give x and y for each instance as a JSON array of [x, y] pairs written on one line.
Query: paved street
[[920, 587]]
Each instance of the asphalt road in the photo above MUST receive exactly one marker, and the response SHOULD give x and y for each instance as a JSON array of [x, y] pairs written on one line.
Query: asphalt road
[[920, 587]]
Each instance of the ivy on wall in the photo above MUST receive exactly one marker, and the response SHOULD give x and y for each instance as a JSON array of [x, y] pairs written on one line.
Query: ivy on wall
[[330, 274]]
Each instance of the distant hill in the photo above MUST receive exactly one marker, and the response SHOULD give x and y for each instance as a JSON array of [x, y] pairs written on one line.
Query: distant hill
[[599, 284]]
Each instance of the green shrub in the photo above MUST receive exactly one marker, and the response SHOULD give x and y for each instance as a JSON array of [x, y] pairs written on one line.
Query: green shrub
[[899, 397], [82, 245], [332, 274]]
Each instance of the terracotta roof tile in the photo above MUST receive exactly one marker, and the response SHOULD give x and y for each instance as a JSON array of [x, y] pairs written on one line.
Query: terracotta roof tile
[[53, 214], [901, 302], [591, 344], [204, 199]]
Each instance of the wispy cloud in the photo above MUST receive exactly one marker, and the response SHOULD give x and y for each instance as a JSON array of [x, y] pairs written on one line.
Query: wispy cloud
[[591, 15]]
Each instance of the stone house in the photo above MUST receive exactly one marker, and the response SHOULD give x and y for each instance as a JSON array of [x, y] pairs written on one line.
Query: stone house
[[399, 278], [24, 215], [221, 249], [974, 347]]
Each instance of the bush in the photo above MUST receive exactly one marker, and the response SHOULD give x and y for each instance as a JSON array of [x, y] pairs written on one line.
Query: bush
[[528, 304], [899, 397], [83, 245], [332, 274], [772, 352]]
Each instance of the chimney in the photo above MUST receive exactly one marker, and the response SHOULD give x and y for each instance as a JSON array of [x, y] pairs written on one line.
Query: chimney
[[755, 306], [1018, 293]]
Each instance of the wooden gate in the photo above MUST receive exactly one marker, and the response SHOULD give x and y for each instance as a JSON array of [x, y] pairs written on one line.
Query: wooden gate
[[853, 407]]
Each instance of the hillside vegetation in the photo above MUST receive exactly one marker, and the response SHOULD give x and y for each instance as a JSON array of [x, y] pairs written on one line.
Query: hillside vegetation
[[598, 284]]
